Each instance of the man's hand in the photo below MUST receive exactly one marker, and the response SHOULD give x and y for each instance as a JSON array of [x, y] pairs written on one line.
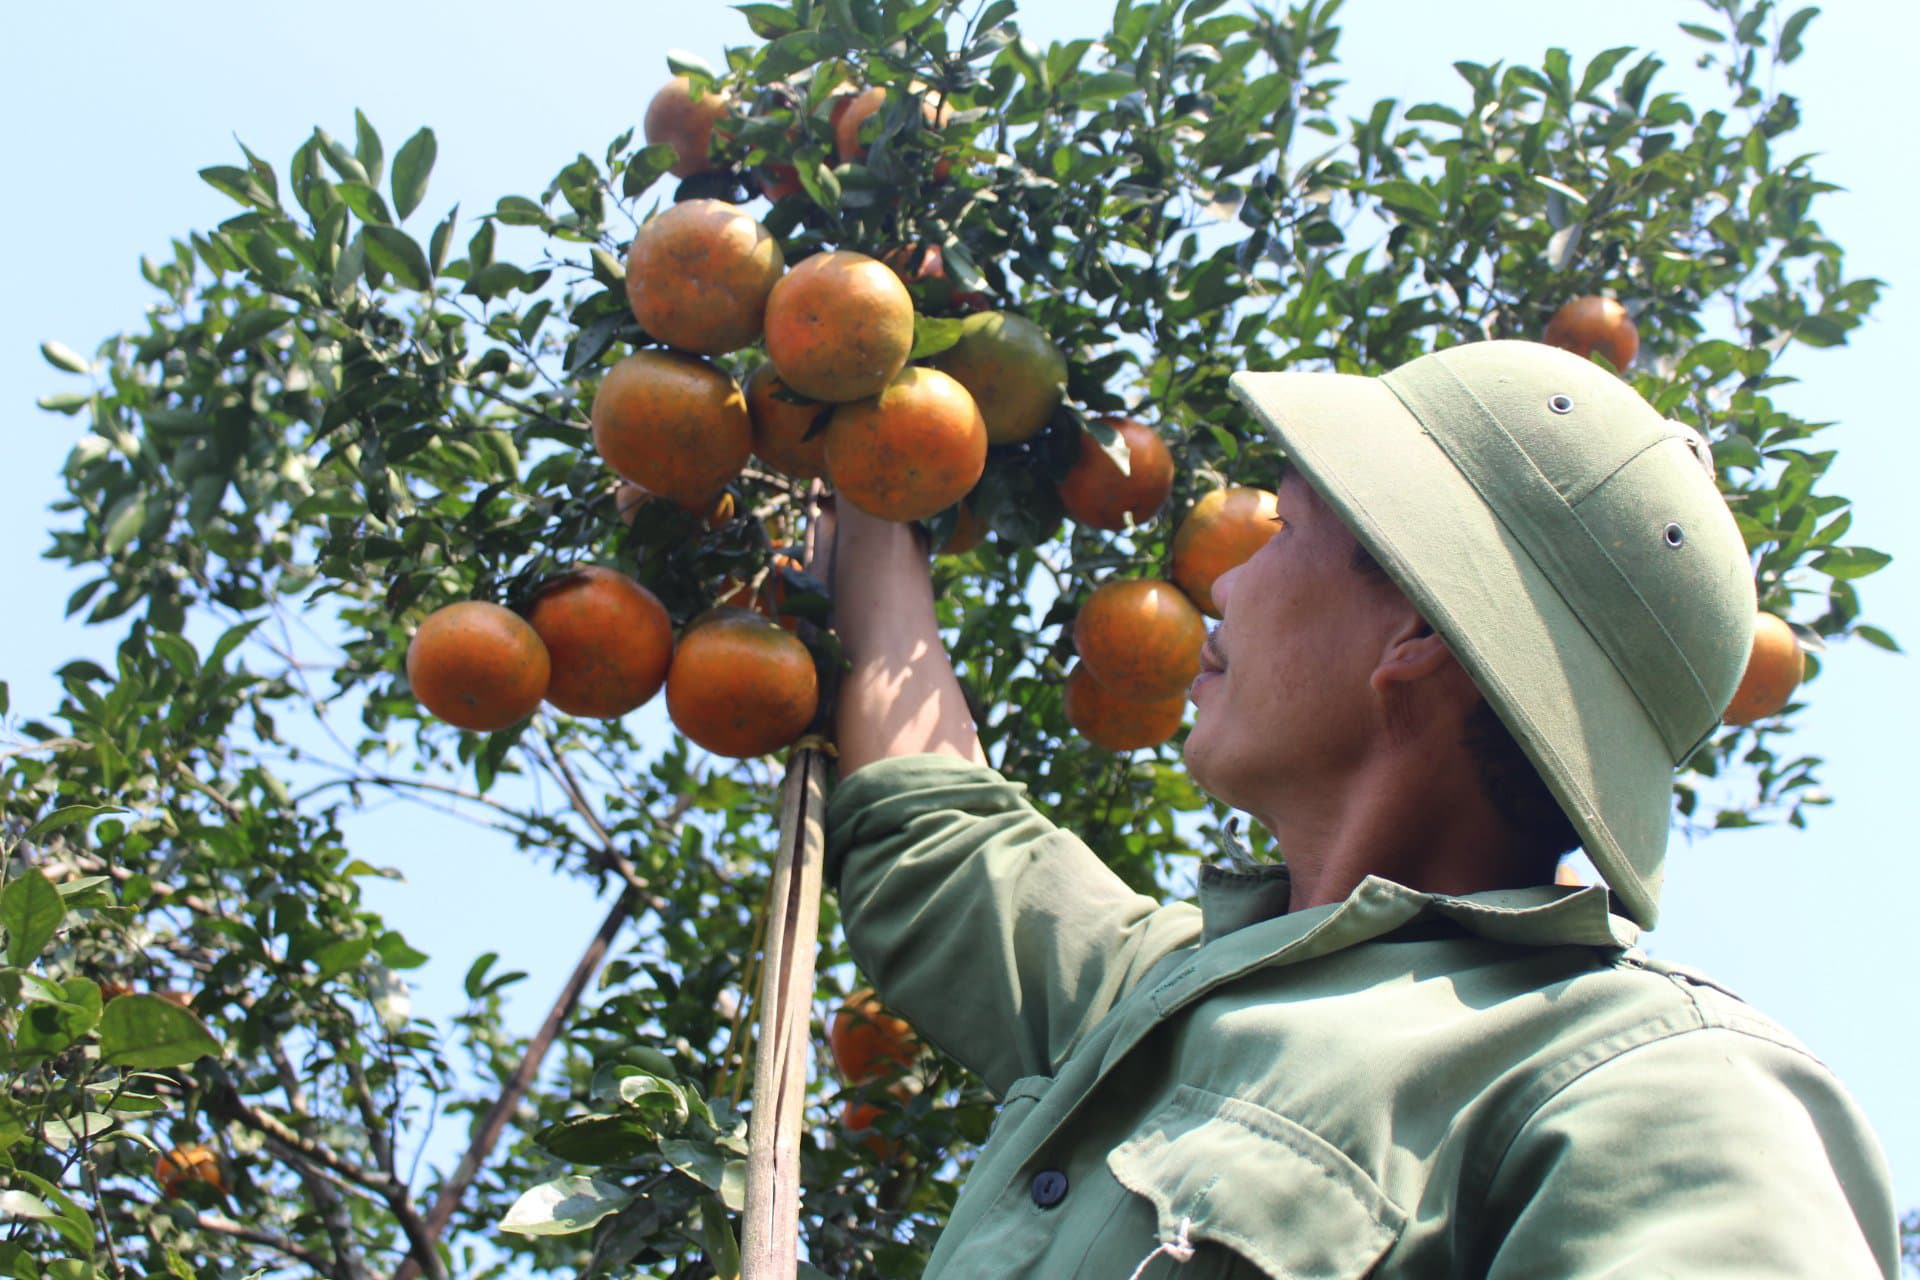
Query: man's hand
[[900, 696]]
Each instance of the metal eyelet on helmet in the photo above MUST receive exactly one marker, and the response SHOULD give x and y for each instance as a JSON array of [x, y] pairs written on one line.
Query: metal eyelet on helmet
[[1675, 535], [1560, 403]]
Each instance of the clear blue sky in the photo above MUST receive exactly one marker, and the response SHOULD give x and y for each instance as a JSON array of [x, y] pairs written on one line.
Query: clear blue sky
[[112, 109]]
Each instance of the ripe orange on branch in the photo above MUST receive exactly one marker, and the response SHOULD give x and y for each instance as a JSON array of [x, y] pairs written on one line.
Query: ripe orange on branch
[[609, 640], [1591, 324], [1219, 532], [673, 424], [916, 448], [1098, 495], [1775, 667], [740, 686], [678, 119], [858, 1119], [478, 666], [839, 326], [781, 427], [1115, 723], [175, 1169], [868, 1042], [698, 276], [1012, 369], [1140, 638]]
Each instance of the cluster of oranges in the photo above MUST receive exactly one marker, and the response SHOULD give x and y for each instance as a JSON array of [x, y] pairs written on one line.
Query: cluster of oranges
[[837, 401], [871, 1046], [597, 643]]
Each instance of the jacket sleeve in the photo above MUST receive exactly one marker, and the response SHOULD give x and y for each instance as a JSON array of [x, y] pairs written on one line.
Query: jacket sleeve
[[1712, 1152], [1002, 938]]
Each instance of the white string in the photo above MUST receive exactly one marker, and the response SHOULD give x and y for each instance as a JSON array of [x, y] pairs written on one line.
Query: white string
[[1180, 1249]]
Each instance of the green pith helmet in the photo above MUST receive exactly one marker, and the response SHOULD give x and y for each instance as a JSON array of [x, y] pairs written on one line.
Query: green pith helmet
[[1570, 545]]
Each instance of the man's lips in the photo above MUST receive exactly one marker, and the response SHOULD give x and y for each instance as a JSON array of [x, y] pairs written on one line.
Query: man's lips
[[1212, 660]]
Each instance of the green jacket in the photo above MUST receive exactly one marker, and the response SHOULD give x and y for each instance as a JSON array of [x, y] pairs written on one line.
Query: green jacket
[[1397, 1085]]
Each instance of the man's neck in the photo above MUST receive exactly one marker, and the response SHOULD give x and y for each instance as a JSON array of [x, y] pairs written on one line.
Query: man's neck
[[1402, 817]]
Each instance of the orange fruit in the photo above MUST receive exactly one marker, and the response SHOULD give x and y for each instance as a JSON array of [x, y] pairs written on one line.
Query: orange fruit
[[740, 686], [627, 497], [839, 326], [969, 531], [1567, 874], [770, 600], [780, 427], [1095, 492], [1775, 667], [478, 666], [869, 1043], [698, 276], [1119, 724], [609, 640], [1140, 638], [673, 424], [111, 990], [674, 117], [1221, 530], [1591, 324], [858, 1119], [860, 107], [182, 1165], [916, 448], [1012, 368]]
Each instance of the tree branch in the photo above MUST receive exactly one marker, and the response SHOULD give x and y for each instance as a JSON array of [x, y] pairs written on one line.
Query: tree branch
[[522, 1079], [253, 1235]]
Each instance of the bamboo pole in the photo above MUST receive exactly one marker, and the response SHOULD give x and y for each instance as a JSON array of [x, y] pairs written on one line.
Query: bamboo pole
[[770, 1234]]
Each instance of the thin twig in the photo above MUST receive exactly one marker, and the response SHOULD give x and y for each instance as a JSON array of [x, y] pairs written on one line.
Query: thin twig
[[253, 1235]]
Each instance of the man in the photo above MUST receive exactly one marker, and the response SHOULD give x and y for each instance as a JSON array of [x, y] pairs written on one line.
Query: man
[[1503, 600]]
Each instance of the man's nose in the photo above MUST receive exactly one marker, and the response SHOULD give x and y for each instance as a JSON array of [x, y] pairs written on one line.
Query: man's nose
[[1221, 586]]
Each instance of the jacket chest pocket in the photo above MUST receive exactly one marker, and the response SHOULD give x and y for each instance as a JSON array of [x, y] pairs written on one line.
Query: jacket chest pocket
[[1279, 1200]]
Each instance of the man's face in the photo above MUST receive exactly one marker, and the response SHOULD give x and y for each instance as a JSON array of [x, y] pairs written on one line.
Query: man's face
[[1284, 701]]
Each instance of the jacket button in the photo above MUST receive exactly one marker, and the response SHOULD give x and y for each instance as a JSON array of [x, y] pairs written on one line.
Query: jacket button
[[1049, 1188]]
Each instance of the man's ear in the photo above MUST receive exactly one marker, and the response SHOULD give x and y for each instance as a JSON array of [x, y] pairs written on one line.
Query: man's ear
[[1414, 651]]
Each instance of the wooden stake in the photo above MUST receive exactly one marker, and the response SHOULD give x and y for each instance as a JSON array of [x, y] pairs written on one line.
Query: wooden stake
[[770, 1232]]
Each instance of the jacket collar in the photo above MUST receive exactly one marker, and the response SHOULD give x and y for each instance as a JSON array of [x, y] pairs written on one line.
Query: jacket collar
[[1540, 916]]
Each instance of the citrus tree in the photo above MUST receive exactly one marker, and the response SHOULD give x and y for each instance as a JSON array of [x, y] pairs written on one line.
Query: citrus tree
[[389, 502]]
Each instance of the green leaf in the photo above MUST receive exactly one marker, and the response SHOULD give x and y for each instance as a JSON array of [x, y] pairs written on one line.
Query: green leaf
[[411, 168], [395, 952], [31, 910], [934, 334], [644, 168], [61, 356], [67, 402], [365, 203], [24, 1204], [396, 253], [67, 1131], [124, 524], [67, 816], [337, 958], [249, 327], [1851, 562], [366, 147], [1878, 638], [518, 211], [1407, 198], [768, 21], [682, 63], [716, 1237], [145, 1031], [564, 1206], [1790, 42], [710, 1166]]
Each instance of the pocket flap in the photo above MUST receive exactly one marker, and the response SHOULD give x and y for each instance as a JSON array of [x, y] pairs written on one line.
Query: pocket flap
[[1252, 1180]]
